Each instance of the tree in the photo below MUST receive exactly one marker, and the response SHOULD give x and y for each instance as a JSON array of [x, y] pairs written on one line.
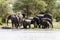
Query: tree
[[30, 6], [57, 12], [5, 9], [50, 5]]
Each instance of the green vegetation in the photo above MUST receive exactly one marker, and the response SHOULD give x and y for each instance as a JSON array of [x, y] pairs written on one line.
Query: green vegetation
[[34, 6], [30, 8], [5, 9]]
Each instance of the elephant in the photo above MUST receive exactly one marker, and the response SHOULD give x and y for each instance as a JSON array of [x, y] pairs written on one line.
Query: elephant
[[36, 22], [46, 22], [20, 17], [16, 20], [47, 15], [42, 16], [28, 22]]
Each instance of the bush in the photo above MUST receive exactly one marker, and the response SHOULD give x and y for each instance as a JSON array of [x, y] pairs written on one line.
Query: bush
[[57, 19], [1, 23]]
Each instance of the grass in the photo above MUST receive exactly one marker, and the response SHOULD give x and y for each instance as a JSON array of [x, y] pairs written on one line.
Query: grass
[[56, 24]]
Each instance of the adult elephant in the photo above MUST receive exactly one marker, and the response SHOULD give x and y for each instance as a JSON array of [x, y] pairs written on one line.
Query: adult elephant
[[43, 16], [16, 20], [36, 22], [38, 19], [46, 22], [20, 17], [48, 15]]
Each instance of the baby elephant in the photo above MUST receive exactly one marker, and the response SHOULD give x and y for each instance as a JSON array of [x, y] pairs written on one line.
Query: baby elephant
[[27, 22]]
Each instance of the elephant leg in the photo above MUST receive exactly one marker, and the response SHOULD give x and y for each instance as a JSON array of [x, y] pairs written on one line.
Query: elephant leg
[[12, 25], [39, 26], [48, 26], [19, 25], [35, 25], [16, 25], [24, 26], [43, 27], [52, 25]]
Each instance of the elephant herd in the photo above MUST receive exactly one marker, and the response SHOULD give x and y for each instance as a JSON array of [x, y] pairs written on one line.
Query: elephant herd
[[42, 20]]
